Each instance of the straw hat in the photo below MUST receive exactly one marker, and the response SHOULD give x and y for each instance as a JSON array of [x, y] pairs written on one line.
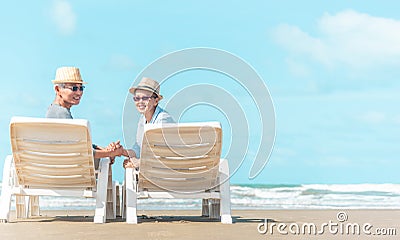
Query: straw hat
[[149, 85], [68, 75]]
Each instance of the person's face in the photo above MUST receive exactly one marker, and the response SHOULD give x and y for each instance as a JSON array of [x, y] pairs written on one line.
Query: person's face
[[144, 101], [71, 93]]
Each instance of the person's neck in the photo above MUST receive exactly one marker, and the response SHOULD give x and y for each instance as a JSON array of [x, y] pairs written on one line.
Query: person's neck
[[149, 115], [62, 103]]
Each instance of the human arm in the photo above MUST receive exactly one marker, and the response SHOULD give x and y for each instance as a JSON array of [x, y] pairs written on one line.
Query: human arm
[[113, 150]]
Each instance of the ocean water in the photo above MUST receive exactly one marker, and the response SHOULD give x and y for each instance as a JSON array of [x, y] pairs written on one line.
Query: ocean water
[[304, 196]]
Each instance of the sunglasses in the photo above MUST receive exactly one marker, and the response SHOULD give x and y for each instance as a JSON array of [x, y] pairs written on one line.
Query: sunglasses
[[75, 88], [144, 99]]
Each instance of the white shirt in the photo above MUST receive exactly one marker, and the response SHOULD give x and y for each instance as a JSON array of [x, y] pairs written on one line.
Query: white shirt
[[159, 116]]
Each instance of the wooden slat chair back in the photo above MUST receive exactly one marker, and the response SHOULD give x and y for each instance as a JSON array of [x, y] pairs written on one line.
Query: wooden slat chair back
[[180, 159], [53, 157], [53, 154]]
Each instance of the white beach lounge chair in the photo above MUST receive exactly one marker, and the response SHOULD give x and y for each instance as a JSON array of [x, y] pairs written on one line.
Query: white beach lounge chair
[[181, 161], [52, 157]]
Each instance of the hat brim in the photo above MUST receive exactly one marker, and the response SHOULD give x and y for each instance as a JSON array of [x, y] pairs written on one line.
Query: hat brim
[[133, 89], [67, 81]]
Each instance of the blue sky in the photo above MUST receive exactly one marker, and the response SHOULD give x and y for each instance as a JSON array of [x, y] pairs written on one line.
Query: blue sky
[[331, 69]]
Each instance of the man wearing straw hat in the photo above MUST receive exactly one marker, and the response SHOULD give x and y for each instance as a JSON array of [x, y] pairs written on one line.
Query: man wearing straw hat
[[146, 97], [68, 86]]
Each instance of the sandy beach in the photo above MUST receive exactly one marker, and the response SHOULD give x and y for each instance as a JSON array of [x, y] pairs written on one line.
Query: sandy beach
[[248, 224]]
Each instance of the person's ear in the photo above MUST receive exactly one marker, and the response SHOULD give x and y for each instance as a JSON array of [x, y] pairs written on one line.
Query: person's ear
[[57, 89]]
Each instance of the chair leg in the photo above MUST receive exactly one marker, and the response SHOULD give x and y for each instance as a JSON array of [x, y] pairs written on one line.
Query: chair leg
[[114, 186], [123, 202], [111, 214], [117, 199], [5, 198], [214, 207], [34, 207], [205, 210], [225, 192], [131, 196], [21, 206], [101, 197]]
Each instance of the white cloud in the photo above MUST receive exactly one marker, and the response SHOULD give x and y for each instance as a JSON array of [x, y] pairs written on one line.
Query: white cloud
[[63, 16], [349, 37], [299, 42]]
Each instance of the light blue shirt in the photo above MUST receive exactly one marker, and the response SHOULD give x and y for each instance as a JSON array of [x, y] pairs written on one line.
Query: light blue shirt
[[159, 116]]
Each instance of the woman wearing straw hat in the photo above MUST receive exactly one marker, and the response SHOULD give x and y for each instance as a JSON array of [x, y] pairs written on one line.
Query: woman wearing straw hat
[[146, 97], [68, 86]]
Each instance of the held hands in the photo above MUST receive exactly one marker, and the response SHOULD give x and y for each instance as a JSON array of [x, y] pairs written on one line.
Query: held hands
[[116, 150], [131, 162]]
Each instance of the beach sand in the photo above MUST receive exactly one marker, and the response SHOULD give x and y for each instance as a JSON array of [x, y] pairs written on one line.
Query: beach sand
[[247, 224]]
